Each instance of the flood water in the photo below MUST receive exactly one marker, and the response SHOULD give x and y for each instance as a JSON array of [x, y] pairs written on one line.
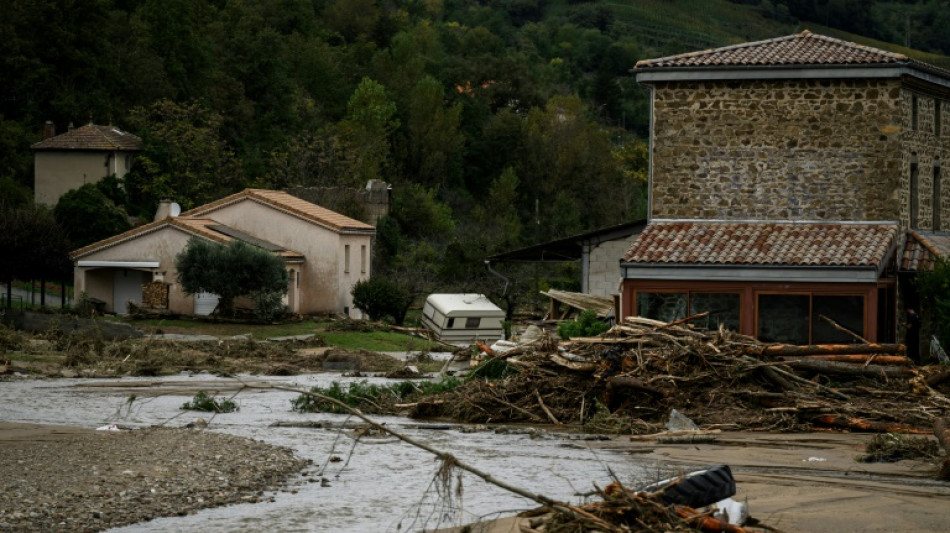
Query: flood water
[[381, 484]]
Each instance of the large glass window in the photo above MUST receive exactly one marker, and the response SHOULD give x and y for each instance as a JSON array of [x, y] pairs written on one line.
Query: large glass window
[[846, 311], [804, 318], [783, 318], [723, 308], [663, 306]]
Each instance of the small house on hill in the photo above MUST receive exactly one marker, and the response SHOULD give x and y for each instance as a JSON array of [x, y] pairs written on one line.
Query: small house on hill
[[325, 254], [82, 155]]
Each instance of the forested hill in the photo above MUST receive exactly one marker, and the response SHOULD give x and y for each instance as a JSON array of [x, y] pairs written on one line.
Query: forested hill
[[498, 122]]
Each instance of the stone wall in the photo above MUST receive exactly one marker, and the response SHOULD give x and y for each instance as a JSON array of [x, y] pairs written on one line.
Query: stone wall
[[603, 276], [923, 145], [778, 149]]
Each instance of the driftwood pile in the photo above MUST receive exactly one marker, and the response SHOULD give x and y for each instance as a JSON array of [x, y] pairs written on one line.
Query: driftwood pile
[[642, 369]]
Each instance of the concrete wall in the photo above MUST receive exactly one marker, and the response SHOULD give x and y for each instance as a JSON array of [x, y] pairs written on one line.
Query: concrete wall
[[777, 149], [603, 276], [57, 172], [324, 286], [161, 245]]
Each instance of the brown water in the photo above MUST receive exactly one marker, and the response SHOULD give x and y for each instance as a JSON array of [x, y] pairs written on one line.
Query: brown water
[[383, 484]]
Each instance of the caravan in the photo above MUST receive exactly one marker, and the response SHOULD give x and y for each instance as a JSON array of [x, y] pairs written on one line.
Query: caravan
[[463, 318]]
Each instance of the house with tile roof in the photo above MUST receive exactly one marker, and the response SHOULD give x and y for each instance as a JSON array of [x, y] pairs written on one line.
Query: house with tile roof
[[82, 155], [784, 175], [325, 254]]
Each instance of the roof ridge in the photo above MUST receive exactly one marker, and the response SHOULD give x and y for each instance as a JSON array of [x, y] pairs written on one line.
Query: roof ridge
[[717, 49]]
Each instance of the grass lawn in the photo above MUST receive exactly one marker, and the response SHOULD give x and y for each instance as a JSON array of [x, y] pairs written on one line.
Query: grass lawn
[[378, 340]]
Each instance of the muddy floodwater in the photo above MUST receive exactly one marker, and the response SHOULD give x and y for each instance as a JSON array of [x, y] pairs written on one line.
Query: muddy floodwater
[[379, 482]]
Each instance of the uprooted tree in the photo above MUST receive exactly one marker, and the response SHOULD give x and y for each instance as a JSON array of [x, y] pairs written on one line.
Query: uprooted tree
[[232, 271]]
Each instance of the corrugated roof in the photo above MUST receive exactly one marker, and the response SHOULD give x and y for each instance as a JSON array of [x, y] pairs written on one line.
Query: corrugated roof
[[91, 137], [922, 249], [291, 204], [801, 49], [764, 243]]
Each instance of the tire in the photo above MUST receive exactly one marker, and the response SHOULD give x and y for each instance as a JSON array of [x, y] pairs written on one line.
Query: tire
[[696, 489]]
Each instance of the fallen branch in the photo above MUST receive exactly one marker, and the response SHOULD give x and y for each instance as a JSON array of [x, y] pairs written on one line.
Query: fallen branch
[[546, 410], [777, 350], [846, 369], [447, 457], [866, 426], [862, 359]]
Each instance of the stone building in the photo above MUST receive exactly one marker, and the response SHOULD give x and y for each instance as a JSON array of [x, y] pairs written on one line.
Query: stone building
[[803, 127], [783, 176]]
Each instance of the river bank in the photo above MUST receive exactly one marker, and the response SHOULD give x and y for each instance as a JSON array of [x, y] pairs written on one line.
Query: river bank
[[61, 478]]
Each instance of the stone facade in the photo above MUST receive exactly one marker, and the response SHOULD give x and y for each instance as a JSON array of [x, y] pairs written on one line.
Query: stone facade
[[926, 146], [826, 149]]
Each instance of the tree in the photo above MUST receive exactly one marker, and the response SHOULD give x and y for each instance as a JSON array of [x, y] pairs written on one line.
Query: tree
[[435, 144], [231, 271], [90, 214], [934, 290], [34, 245], [184, 158], [380, 298]]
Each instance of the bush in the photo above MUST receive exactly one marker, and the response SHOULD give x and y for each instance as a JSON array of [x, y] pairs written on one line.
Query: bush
[[586, 325], [203, 402], [369, 397], [380, 298]]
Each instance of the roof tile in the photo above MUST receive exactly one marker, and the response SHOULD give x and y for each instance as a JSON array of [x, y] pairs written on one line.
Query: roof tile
[[764, 243], [91, 137]]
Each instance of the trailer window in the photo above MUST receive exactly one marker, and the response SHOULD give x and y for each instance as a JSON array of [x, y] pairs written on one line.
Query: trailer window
[[451, 323], [472, 322]]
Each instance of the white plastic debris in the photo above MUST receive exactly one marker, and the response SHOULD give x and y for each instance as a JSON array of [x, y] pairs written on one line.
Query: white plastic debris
[[731, 511], [109, 427], [814, 460], [680, 422]]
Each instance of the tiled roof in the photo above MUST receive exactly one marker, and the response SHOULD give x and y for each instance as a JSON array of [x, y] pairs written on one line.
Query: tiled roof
[[290, 204], [202, 227], [801, 49], [922, 249], [91, 137], [764, 243]]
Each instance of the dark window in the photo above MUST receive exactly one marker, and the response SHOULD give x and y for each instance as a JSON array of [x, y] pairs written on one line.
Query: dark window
[[664, 306], [472, 322], [783, 318], [937, 118], [937, 194], [846, 311], [914, 199], [723, 309], [914, 105], [451, 323]]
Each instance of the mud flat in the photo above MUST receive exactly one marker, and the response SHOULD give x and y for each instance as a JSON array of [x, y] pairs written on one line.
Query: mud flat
[[800, 482], [59, 478]]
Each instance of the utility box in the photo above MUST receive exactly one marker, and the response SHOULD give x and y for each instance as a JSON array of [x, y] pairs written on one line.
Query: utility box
[[463, 318]]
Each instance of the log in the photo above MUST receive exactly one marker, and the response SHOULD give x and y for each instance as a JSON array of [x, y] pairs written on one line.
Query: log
[[863, 425], [847, 369], [899, 360], [942, 432], [627, 382], [704, 522], [777, 350], [935, 379]]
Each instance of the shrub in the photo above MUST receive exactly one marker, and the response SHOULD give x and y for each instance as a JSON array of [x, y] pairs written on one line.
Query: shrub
[[586, 325], [203, 402], [380, 298], [369, 397]]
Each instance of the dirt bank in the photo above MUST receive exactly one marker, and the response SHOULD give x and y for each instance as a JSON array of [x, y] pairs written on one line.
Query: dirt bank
[[800, 482], [70, 479]]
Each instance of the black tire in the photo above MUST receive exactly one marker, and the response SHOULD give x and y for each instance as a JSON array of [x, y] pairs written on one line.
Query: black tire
[[696, 489]]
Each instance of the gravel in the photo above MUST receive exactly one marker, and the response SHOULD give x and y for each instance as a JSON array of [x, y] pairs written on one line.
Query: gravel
[[95, 480]]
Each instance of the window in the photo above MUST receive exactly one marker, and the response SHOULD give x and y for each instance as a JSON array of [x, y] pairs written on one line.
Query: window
[[346, 258], [783, 318], [937, 202], [450, 323], [363, 259], [472, 322], [937, 118], [914, 200], [914, 106], [804, 318], [723, 308]]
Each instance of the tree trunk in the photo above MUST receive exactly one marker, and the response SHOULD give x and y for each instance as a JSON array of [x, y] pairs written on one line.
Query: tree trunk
[[847, 369], [827, 349]]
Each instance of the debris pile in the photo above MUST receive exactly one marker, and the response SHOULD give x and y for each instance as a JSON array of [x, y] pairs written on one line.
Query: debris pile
[[642, 369]]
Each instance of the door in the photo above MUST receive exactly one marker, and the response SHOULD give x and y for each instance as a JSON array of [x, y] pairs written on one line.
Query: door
[[127, 287]]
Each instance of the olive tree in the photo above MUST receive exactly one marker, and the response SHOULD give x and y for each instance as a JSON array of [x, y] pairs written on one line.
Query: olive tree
[[231, 271]]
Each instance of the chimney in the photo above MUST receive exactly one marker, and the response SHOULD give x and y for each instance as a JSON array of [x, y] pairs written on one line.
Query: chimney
[[49, 129], [164, 209]]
